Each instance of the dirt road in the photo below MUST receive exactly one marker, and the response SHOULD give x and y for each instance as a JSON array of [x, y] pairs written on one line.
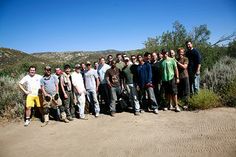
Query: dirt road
[[203, 133]]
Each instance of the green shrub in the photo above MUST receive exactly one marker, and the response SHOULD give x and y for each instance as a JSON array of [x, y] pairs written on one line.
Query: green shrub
[[11, 98], [205, 99], [229, 97], [221, 74]]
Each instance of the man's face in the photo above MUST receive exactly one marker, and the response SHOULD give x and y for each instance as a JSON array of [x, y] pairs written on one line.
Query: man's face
[[47, 72], [102, 61], [67, 71], [189, 45], [154, 56], [140, 59], [133, 59], [83, 66], [119, 58], [32, 71]]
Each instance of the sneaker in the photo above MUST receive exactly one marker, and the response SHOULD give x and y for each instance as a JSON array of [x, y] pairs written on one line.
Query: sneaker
[[84, 118], [96, 115], [27, 122], [137, 113], [171, 107], [155, 111], [165, 109], [112, 114], [142, 111], [177, 109]]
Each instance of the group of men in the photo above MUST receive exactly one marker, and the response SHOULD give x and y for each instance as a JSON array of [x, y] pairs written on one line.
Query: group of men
[[151, 82]]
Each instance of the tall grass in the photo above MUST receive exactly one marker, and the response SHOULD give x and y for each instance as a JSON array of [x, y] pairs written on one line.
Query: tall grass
[[11, 98]]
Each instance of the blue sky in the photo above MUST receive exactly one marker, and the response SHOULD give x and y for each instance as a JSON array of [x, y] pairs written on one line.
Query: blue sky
[[67, 25]]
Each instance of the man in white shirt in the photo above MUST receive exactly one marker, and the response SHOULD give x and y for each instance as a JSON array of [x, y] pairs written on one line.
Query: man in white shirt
[[32, 86], [103, 87], [79, 90], [91, 85]]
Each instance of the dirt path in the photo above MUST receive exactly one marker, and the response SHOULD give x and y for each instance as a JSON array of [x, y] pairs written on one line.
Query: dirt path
[[205, 133]]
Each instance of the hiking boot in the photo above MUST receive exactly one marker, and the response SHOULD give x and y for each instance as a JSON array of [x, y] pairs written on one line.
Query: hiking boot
[[155, 111], [177, 109], [27, 122], [137, 113]]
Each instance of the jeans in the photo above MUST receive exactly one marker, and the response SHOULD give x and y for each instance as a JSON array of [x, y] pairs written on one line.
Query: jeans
[[194, 82], [81, 104], [93, 101], [133, 97], [115, 92], [151, 97]]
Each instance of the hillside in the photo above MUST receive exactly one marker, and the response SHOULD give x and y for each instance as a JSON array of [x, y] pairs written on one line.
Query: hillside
[[14, 62]]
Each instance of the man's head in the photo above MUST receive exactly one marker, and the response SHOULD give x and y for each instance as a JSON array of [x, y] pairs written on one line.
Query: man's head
[[147, 57], [140, 58], [164, 53], [88, 65], [95, 64], [58, 71], [133, 59], [32, 70], [160, 56], [83, 66], [181, 52], [172, 53], [126, 60], [189, 45], [118, 57], [109, 58], [77, 68], [113, 64], [154, 56], [102, 60], [47, 70], [67, 69]]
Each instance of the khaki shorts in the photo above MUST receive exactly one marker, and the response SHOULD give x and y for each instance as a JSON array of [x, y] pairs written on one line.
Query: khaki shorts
[[31, 100]]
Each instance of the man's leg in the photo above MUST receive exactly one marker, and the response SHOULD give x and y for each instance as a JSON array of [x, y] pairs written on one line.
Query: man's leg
[[113, 100], [152, 98]]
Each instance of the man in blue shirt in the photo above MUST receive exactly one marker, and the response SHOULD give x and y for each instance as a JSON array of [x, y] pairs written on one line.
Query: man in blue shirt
[[145, 85]]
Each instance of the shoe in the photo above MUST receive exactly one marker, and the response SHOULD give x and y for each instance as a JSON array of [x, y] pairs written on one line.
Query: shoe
[[84, 118], [70, 118], [96, 115], [27, 122], [165, 109], [65, 120], [155, 111], [112, 114], [142, 111], [137, 113], [177, 109], [171, 107]]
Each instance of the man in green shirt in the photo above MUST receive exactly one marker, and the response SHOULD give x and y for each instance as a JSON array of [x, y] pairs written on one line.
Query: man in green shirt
[[170, 78]]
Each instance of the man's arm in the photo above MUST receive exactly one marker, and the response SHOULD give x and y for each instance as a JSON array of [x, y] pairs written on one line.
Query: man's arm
[[23, 89]]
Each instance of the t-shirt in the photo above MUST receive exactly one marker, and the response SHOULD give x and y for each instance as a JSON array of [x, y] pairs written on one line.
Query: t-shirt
[[114, 76], [32, 83], [101, 72], [183, 73], [90, 77], [168, 67], [194, 58], [128, 76], [156, 72], [49, 84], [120, 65], [77, 82]]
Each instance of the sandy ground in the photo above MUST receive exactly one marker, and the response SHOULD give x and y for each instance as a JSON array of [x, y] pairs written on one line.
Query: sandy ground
[[203, 133]]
